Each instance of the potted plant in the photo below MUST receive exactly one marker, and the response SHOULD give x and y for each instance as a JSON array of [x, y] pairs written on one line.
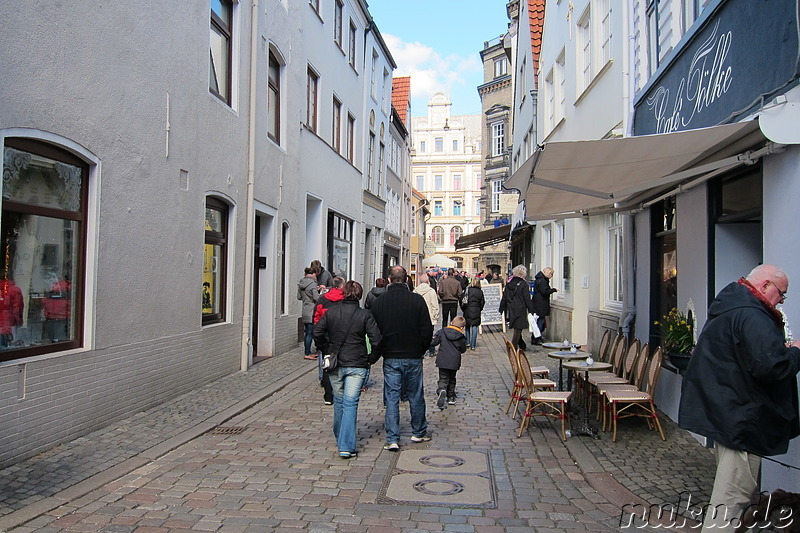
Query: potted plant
[[677, 338]]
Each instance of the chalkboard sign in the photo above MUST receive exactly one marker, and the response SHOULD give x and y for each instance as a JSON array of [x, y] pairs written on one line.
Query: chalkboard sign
[[492, 293]]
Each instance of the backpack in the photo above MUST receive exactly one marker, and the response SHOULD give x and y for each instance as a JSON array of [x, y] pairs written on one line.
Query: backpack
[[465, 297]]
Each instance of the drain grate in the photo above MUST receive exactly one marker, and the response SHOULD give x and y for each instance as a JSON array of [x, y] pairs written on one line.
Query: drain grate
[[228, 430]]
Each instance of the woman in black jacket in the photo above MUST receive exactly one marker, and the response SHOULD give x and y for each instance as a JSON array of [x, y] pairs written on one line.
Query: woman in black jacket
[[343, 330], [516, 303], [472, 311]]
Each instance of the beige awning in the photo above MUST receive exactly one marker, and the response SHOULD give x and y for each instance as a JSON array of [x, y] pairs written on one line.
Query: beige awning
[[565, 179]]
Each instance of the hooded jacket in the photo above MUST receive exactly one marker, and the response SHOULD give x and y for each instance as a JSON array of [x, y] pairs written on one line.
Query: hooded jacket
[[325, 301], [740, 388], [428, 293], [372, 294], [404, 321], [453, 344], [307, 293]]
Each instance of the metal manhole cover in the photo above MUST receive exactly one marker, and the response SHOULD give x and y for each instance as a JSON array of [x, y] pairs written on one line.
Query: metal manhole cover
[[229, 430]]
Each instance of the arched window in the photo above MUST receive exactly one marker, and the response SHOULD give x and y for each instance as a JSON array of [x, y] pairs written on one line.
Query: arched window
[[437, 235], [43, 232], [214, 261], [455, 233]]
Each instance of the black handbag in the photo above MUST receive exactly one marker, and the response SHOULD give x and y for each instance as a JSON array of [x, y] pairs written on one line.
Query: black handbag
[[330, 361]]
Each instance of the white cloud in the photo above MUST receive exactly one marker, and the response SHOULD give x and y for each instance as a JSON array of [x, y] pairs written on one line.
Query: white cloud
[[430, 72]]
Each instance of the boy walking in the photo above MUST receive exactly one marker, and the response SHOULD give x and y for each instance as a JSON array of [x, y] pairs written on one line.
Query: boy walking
[[452, 343]]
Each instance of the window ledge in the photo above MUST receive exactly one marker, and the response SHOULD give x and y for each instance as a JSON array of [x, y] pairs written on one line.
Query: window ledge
[[595, 81]]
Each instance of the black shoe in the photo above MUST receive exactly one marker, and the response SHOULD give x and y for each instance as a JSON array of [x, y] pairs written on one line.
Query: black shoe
[[522, 344], [440, 401], [538, 341]]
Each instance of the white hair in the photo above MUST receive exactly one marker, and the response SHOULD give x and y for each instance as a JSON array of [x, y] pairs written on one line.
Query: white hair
[[519, 271]]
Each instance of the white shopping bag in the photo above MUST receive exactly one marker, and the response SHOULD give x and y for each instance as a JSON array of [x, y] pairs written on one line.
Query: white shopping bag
[[533, 326]]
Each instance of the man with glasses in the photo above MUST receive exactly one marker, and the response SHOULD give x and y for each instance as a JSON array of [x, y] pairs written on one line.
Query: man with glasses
[[740, 389]]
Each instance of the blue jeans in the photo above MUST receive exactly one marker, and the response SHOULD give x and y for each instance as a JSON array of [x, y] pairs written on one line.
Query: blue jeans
[[472, 336], [403, 374], [346, 383], [309, 337]]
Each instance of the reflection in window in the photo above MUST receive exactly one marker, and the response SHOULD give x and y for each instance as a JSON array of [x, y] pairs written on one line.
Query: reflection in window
[[219, 72], [456, 232], [437, 235], [214, 264], [43, 233], [274, 99]]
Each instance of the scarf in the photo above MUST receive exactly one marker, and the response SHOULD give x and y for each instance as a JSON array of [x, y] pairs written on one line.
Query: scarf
[[773, 312]]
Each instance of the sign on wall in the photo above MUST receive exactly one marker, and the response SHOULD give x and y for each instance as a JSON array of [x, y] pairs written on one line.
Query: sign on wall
[[744, 55]]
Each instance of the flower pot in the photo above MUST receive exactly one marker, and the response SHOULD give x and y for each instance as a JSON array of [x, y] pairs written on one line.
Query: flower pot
[[679, 361]]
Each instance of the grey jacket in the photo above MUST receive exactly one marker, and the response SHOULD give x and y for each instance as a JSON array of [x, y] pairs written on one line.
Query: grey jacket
[[308, 294]]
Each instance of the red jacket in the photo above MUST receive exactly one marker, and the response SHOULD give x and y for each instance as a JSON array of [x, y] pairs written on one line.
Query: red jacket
[[324, 302], [11, 306]]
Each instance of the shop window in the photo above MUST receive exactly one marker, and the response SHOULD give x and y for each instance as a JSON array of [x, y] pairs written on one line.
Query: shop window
[[43, 245], [340, 243], [665, 260], [215, 261]]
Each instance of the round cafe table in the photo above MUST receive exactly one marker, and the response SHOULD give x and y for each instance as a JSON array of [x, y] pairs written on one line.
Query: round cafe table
[[556, 345], [581, 366], [565, 355]]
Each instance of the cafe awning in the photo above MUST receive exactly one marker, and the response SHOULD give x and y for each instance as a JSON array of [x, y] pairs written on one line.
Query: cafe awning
[[484, 238], [575, 178]]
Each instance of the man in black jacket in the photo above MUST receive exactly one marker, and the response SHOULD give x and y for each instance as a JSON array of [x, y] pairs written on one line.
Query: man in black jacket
[[405, 325], [740, 389]]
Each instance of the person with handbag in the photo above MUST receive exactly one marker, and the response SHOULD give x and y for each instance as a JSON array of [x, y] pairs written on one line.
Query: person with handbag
[[517, 303], [342, 334]]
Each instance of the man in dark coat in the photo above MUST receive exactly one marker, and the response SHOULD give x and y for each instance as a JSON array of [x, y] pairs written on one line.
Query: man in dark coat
[[740, 389], [516, 303], [541, 300], [405, 324]]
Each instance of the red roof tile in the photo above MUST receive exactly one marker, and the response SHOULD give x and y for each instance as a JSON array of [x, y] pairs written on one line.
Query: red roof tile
[[401, 97], [536, 20]]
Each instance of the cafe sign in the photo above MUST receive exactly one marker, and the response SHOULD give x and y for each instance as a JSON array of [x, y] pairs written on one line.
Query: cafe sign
[[744, 54]]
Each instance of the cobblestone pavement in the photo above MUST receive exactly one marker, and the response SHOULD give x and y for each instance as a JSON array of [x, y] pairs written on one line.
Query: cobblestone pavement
[[166, 470]]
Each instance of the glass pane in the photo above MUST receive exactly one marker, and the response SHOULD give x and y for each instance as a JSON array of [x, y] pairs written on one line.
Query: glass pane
[[218, 73], [341, 258], [222, 10], [37, 295], [212, 282], [214, 221], [37, 180]]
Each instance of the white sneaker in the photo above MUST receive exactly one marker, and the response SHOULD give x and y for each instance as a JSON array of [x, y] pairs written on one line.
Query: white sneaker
[[424, 438], [392, 447]]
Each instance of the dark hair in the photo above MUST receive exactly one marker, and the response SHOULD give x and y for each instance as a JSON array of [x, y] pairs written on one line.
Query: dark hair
[[397, 274], [380, 282], [310, 270], [353, 290], [338, 281], [451, 271]]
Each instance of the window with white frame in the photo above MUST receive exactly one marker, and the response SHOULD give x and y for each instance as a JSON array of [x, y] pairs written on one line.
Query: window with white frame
[[420, 182], [457, 207], [381, 155], [653, 47], [214, 261], [561, 242], [523, 91], [438, 209], [274, 99], [456, 232], [336, 125], [337, 23], [422, 147], [500, 67], [584, 50], [547, 243], [550, 99], [438, 182], [221, 50], [561, 86], [477, 206], [312, 87], [478, 182], [351, 138], [370, 160], [351, 50], [498, 138], [437, 235], [604, 12], [614, 260], [373, 81], [455, 145], [456, 182], [438, 144], [497, 190]]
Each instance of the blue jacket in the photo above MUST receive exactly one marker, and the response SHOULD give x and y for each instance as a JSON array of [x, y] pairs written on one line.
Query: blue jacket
[[453, 344]]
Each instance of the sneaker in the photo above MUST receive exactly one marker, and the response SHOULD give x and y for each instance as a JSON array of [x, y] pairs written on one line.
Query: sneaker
[[441, 399], [348, 455], [451, 401], [424, 438], [328, 403], [392, 447]]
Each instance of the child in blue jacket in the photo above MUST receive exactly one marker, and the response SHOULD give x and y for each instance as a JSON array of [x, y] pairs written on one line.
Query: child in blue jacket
[[452, 343]]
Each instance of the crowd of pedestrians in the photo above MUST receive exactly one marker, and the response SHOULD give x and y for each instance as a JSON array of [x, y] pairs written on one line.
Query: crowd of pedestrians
[[400, 324]]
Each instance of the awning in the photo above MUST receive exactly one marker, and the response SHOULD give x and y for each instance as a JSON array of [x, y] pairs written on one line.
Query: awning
[[484, 238], [565, 179]]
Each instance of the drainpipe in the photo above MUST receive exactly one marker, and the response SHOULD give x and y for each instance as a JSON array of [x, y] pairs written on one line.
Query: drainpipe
[[249, 241], [629, 275]]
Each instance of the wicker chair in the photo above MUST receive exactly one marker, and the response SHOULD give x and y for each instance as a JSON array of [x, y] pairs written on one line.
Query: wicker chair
[[624, 404], [637, 382], [548, 403]]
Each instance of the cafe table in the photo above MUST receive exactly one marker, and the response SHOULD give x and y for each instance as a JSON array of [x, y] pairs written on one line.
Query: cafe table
[[566, 355], [582, 366], [556, 345]]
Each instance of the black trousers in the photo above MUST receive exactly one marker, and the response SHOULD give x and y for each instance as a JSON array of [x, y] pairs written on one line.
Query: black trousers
[[447, 382], [449, 312]]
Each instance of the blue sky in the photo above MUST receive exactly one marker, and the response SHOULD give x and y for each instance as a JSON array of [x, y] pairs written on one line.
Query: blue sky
[[438, 44]]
